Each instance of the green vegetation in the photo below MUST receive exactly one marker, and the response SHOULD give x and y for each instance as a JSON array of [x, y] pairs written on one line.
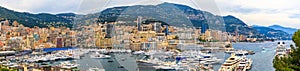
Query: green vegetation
[[296, 38], [6, 69], [292, 61], [176, 37], [202, 40], [31, 20]]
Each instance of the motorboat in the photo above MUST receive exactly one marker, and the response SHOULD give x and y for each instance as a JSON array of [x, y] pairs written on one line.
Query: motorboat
[[3, 62], [14, 65], [9, 64], [123, 59], [121, 66], [110, 61]]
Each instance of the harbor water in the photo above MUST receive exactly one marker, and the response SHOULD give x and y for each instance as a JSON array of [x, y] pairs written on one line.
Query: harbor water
[[262, 59]]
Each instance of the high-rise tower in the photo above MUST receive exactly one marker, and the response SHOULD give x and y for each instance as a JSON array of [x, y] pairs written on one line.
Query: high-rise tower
[[110, 30], [139, 23]]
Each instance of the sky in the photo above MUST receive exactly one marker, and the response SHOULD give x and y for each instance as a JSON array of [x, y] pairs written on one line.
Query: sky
[[253, 12]]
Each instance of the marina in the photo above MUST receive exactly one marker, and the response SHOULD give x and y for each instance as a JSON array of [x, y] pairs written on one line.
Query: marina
[[118, 59]]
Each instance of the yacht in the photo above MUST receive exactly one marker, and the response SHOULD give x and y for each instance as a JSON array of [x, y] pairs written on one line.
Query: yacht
[[3, 62], [213, 60], [138, 52], [52, 58], [44, 59], [244, 64], [123, 59], [95, 69], [231, 63], [208, 58], [68, 65], [76, 57], [281, 49], [241, 53], [14, 65], [9, 64], [100, 56], [230, 51], [164, 68], [147, 63]]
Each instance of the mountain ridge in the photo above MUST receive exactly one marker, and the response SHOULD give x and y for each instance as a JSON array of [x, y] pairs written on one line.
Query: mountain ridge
[[285, 29], [196, 17], [272, 33], [31, 20]]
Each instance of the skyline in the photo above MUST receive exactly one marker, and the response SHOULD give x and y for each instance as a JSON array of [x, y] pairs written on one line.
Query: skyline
[[254, 12]]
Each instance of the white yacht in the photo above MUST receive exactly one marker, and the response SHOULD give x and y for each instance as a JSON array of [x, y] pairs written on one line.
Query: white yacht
[[3, 62], [9, 64], [95, 69], [231, 63], [164, 68], [244, 64], [230, 51], [241, 53], [281, 49], [138, 52], [68, 65], [99, 56], [208, 58]]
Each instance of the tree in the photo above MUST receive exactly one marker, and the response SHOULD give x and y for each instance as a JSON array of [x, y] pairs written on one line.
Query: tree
[[292, 61], [292, 47], [4, 69], [176, 37], [296, 38], [202, 40]]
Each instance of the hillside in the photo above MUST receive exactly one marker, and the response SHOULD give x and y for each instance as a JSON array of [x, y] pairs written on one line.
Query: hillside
[[234, 24], [175, 15], [285, 29], [271, 33], [31, 20]]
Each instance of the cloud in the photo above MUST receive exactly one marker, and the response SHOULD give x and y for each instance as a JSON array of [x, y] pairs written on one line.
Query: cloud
[[92, 6], [295, 16], [263, 12], [41, 6]]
